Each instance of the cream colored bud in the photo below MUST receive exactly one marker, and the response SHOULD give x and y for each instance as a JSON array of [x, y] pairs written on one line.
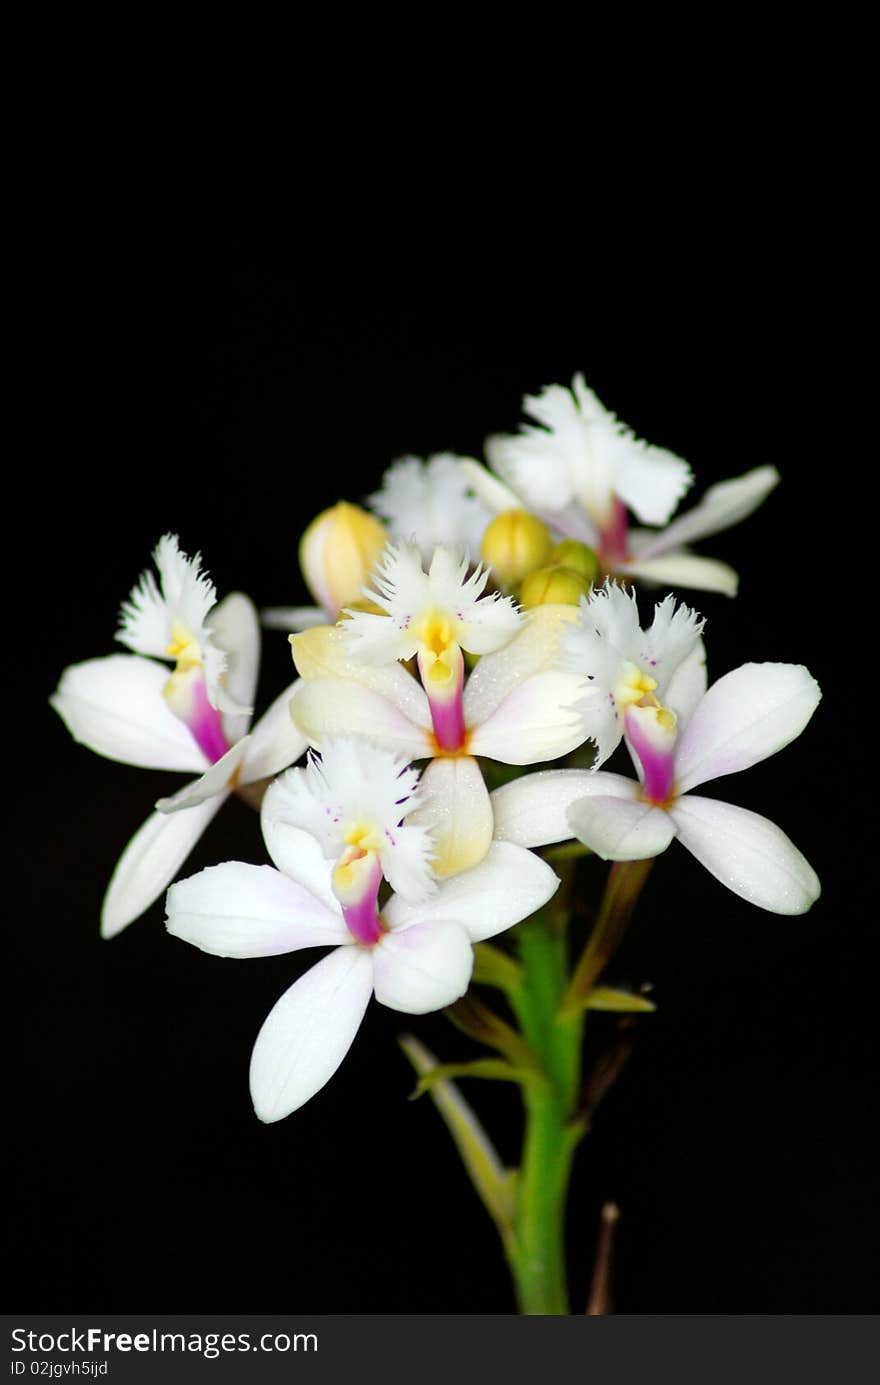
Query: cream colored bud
[[577, 556], [337, 553], [514, 544], [553, 586]]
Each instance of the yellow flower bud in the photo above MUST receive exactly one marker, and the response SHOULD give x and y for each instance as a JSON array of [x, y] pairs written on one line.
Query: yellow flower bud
[[571, 553], [337, 553], [514, 544], [553, 586]]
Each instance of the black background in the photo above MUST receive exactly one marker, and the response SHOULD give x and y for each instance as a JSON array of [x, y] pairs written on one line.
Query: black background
[[227, 393]]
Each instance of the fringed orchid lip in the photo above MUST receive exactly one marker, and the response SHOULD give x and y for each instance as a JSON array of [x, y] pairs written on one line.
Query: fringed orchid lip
[[624, 666]]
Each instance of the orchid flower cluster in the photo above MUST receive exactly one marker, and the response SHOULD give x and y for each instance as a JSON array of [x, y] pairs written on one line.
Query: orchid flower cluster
[[475, 655]]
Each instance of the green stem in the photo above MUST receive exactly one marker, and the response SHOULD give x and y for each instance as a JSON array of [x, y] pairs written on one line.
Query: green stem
[[537, 1254]]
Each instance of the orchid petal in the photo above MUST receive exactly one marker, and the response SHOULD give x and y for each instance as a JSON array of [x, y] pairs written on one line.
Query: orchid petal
[[533, 810], [506, 887], [150, 862], [296, 852], [649, 480], [456, 812], [621, 829], [326, 653], [723, 505], [538, 466], [687, 685], [115, 707], [291, 618], [531, 651], [747, 853], [683, 569], [309, 1031], [744, 717], [214, 781], [495, 495], [238, 910], [275, 741], [423, 967], [235, 628], [534, 722], [329, 707], [429, 502]]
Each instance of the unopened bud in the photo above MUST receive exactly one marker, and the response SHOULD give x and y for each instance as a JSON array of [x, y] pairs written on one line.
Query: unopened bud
[[337, 553], [577, 556], [514, 544], [553, 586]]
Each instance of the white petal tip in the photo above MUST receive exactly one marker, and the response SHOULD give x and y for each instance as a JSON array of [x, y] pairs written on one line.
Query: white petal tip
[[113, 924], [268, 1116]]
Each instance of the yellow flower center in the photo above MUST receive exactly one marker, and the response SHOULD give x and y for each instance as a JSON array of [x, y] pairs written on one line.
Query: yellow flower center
[[183, 647], [439, 656], [634, 688]]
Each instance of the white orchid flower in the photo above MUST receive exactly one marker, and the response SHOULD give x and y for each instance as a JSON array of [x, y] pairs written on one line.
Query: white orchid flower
[[336, 555], [430, 503], [415, 954], [624, 666], [195, 719], [746, 716], [514, 707], [580, 470]]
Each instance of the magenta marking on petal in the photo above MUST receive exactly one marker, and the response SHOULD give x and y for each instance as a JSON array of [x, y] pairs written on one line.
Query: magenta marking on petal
[[362, 918], [447, 711], [206, 725], [448, 719], [658, 763], [614, 537]]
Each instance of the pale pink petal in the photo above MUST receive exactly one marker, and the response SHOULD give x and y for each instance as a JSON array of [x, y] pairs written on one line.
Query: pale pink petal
[[238, 910], [744, 717], [747, 853], [309, 1031]]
